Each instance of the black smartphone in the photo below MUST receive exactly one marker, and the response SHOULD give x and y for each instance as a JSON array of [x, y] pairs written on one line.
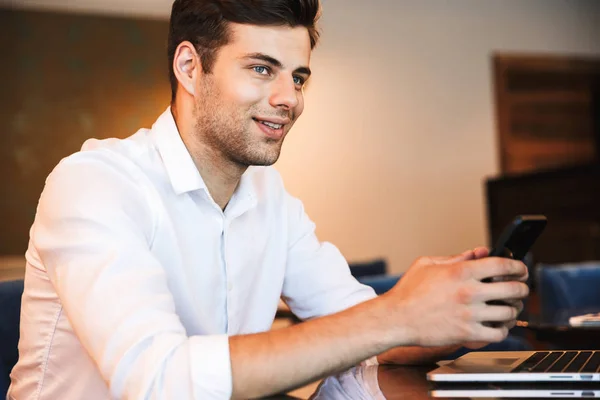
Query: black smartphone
[[514, 242], [518, 237]]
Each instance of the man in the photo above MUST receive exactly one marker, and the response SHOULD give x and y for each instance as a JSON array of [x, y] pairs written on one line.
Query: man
[[156, 263]]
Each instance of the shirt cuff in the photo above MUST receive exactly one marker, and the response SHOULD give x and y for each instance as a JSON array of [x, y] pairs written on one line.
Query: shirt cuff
[[370, 361], [371, 383], [211, 367]]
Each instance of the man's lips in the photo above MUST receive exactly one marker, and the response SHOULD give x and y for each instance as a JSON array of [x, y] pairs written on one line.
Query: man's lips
[[272, 127]]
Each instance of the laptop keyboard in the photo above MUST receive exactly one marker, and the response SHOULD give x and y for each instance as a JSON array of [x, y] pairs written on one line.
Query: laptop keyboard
[[561, 361]]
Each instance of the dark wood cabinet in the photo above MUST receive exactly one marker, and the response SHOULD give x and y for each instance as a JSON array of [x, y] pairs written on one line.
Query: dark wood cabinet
[[569, 197], [547, 111]]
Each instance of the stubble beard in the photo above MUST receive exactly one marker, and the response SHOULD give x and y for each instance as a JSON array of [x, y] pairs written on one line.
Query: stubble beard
[[229, 132]]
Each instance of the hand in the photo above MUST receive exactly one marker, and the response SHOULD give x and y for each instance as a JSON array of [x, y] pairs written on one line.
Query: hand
[[441, 301], [517, 304]]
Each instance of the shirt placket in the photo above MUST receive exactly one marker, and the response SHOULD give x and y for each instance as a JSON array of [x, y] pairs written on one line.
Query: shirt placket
[[227, 269]]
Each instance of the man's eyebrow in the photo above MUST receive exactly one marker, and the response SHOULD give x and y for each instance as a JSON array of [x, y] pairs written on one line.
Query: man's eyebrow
[[263, 57], [276, 63], [303, 70]]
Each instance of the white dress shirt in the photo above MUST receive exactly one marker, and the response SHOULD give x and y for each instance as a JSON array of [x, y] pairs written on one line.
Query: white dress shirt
[[136, 278]]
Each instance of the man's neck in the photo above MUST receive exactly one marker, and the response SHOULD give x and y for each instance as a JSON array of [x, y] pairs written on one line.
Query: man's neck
[[220, 175]]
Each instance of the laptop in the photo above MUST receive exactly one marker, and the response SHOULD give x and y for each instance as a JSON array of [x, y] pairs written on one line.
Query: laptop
[[534, 374], [521, 366], [563, 390]]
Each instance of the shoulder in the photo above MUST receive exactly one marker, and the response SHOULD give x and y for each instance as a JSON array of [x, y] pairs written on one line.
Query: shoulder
[[103, 178], [105, 162]]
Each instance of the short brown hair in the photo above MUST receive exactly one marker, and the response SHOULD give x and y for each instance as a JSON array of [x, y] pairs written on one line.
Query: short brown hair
[[204, 24]]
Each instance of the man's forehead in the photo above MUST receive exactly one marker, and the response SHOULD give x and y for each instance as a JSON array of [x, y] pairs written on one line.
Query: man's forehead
[[288, 45]]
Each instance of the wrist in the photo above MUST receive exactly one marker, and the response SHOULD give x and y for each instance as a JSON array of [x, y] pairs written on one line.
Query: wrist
[[393, 322]]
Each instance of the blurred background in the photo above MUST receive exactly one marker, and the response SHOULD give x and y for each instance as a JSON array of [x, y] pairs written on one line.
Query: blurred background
[[429, 124], [413, 108]]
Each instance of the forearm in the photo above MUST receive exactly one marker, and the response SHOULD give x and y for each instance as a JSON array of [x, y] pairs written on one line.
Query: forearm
[[275, 361], [416, 355]]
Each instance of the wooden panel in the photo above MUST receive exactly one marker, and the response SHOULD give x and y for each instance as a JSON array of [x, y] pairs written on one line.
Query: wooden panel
[[547, 111], [67, 78]]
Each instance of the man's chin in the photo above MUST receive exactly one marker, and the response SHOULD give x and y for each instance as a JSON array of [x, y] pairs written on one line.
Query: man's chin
[[269, 156], [265, 162], [260, 160]]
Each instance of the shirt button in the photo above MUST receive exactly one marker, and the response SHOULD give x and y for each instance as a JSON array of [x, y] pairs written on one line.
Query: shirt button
[[230, 286]]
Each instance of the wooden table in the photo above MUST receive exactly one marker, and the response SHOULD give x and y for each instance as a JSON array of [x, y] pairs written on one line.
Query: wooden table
[[401, 383]]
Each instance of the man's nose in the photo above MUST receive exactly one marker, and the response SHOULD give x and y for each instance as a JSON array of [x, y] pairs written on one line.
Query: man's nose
[[284, 94]]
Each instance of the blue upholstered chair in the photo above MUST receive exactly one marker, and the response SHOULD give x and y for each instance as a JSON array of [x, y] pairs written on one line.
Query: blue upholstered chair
[[568, 287], [363, 269], [375, 274], [10, 312], [380, 283]]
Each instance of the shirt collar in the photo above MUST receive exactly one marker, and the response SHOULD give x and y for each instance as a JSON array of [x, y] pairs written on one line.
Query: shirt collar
[[178, 162], [244, 197], [180, 167]]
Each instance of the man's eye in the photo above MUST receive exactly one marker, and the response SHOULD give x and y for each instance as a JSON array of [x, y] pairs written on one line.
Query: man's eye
[[298, 80], [261, 69]]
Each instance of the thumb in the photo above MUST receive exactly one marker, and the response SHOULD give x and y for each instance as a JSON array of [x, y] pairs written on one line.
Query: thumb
[[481, 252], [473, 254]]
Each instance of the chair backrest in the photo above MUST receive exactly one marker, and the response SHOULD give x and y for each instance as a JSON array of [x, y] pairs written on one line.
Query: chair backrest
[[568, 286], [368, 268], [10, 315], [380, 283]]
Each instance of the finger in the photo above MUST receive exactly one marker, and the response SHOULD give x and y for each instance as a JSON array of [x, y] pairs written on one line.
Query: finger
[[475, 345], [490, 267], [485, 313], [510, 324], [517, 304], [524, 278], [519, 278], [483, 333], [464, 256], [500, 291], [481, 252], [471, 254]]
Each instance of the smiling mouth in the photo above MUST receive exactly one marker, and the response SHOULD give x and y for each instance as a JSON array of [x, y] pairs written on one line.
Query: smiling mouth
[[269, 124], [271, 130]]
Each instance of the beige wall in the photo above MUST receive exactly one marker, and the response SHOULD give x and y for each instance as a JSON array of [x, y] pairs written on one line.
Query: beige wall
[[399, 131], [399, 127]]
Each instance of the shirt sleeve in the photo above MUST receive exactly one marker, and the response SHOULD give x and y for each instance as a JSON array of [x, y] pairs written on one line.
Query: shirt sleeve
[[93, 233], [317, 279]]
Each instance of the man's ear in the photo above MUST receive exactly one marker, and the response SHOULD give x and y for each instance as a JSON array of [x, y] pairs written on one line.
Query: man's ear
[[186, 66]]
